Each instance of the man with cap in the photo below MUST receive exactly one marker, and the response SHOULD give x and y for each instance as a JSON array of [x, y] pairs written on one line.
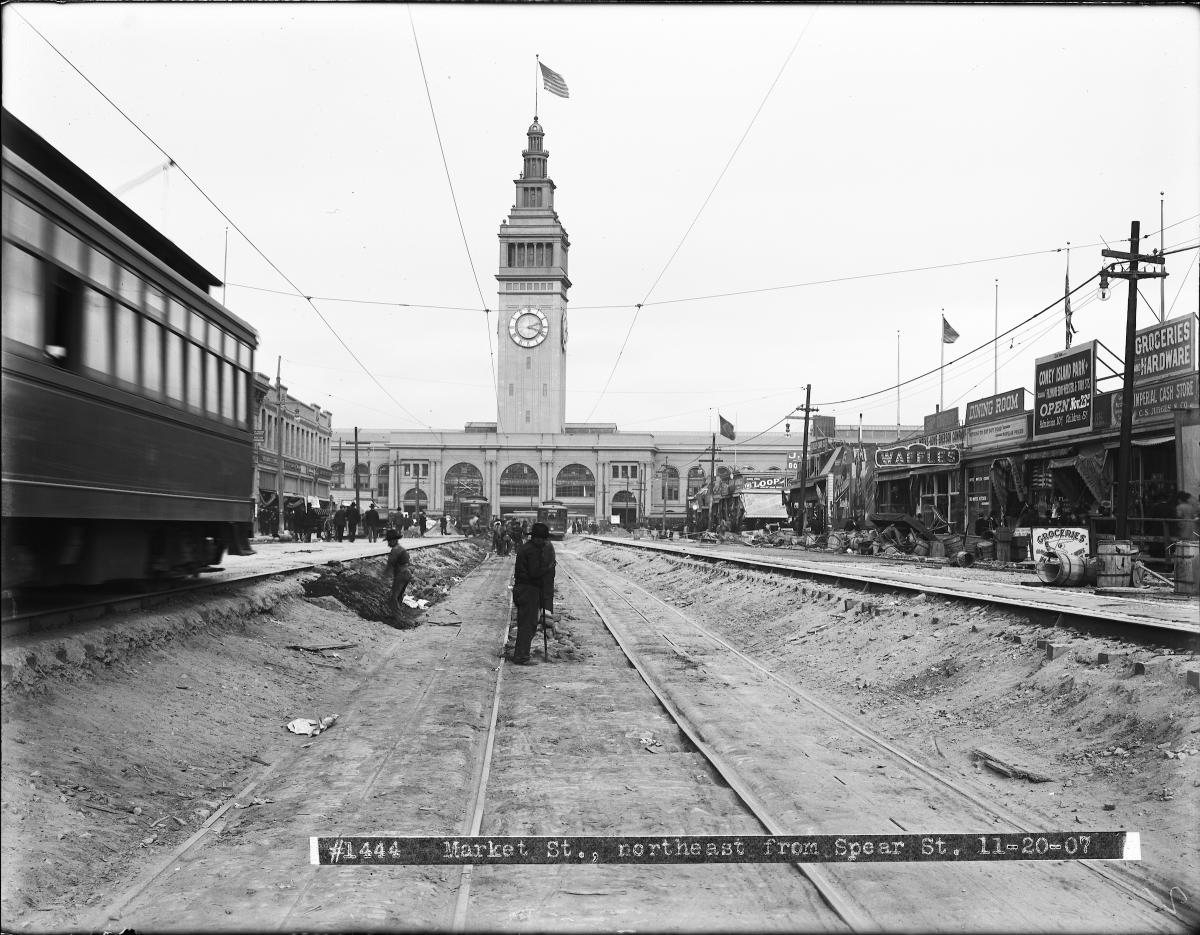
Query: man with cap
[[533, 587], [401, 571]]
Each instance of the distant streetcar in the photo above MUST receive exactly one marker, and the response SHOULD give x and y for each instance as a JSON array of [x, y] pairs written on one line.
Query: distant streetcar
[[127, 389], [554, 515]]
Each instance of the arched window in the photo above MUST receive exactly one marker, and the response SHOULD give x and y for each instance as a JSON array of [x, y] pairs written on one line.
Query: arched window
[[670, 482], [575, 480], [337, 472], [463, 480], [723, 472], [519, 480], [696, 478], [415, 500], [384, 483], [624, 506]]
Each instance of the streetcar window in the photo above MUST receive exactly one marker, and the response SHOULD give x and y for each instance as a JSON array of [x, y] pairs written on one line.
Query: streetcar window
[[22, 296], [126, 344], [177, 316], [152, 356], [228, 410], [195, 377], [156, 302], [212, 388], [24, 223], [100, 269], [64, 294], [129, 286], [67, 249], [97, 331], [174, 372], [243, 413]]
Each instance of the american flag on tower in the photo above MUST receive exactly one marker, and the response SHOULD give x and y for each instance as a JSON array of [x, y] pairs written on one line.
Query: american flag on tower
[[553, 82], [949, 335]]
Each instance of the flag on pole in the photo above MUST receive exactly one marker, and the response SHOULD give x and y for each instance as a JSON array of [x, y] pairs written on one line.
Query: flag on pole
[[949, 335], [1067, 304], [727, 428], [553, 82]]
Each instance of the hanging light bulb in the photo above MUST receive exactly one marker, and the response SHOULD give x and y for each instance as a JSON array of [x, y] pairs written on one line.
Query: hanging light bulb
[[787, 428], [1105, 291]]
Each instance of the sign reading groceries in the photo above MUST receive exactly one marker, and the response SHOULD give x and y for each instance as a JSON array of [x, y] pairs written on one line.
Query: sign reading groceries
[[1044, 541], [1064, 383]]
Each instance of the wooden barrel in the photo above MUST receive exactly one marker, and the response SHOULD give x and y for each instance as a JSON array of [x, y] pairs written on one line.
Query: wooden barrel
[[1187, 567], [964, 559], [1116, 563], [985, 549], [954, 544], [1062, 569], [1004, 550], [921, 548], [837, 541]]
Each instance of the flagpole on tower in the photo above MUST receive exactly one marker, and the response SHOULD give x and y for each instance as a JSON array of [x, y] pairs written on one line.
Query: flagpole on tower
[[537, 69]]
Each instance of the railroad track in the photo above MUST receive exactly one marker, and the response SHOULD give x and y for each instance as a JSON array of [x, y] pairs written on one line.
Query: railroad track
[[92, 607], [1172, 623], [639, 722]]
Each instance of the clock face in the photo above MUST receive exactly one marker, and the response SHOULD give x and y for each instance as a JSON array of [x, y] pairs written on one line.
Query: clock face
[[528, 327], [563, 330]]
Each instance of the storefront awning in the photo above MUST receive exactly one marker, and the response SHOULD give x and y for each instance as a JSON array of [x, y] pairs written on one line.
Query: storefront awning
[[1150, 442], [764, 505], [1062, 462]]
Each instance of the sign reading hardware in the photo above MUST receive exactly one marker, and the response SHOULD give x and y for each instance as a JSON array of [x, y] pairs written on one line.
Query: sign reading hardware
[[1164, 350], [1064, 383]]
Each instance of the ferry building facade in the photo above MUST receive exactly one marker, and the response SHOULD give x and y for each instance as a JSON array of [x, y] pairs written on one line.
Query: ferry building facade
[[531, 454]]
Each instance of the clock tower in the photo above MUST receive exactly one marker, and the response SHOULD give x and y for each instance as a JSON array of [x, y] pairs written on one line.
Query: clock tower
[[531, 372]]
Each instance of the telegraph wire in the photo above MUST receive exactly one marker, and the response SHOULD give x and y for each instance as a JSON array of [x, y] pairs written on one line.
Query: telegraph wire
[[228, 220], [703, 205], [458, 215], [1182, 283]]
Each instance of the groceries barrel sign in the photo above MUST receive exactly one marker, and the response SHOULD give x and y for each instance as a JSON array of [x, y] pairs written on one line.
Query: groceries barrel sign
[[1063, 390]]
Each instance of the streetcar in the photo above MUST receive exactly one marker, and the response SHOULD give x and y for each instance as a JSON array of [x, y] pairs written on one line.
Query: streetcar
[[474, 506], [554, 515], [127, 389]]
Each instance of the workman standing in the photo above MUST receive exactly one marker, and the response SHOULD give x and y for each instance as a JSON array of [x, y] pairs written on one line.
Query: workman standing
[[533, 588], [339, 523], [400, 570], [371, 523], [442, 521]]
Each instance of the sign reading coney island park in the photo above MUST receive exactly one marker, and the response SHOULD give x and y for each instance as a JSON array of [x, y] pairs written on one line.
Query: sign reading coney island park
[[1001, 406], [916, 455], [1064, 383], [1165, 350]]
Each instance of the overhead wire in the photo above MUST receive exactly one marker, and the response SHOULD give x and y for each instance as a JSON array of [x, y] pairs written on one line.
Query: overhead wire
[[228, 220], [458, 215], [700, 211]]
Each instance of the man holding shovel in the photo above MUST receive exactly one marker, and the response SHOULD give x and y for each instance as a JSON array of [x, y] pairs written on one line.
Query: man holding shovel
[[533, 588], [401, 572]]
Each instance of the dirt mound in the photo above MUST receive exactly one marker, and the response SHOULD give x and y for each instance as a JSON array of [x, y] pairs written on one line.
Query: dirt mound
[[364, 587]]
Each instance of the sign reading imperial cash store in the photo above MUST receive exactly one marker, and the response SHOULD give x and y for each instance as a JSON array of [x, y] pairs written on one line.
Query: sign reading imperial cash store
[[1063, 386], [1164, 350]]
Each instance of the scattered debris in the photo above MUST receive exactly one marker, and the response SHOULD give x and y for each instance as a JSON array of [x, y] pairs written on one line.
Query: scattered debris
[[310, 728]]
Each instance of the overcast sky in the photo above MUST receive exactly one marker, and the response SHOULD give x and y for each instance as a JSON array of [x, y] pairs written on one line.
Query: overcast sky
[[871, 140]]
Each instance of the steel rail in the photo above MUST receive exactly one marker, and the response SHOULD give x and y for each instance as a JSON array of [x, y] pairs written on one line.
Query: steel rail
[[1118, 877], [1165, 631], [838, 899], [103, 917]]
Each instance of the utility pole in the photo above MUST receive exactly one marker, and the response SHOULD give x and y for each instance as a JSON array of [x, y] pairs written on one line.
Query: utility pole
[[279, 446], [1132, 275], [712, 482], [666, 461], [804, 461], [356, 506]]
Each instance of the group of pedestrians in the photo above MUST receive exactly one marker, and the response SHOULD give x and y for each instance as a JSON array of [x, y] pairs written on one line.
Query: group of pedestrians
[[510, 535]]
